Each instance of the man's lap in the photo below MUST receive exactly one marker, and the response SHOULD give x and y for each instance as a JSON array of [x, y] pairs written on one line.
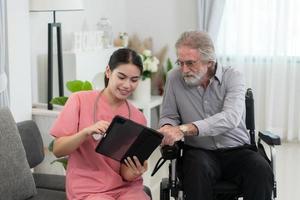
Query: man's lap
[[231, 164]]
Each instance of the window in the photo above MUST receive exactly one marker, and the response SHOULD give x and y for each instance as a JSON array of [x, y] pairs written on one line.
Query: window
[[260, 28]]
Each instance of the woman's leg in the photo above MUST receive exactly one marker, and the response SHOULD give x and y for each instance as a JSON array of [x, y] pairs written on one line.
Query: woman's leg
[[133, 193], [99, 197]]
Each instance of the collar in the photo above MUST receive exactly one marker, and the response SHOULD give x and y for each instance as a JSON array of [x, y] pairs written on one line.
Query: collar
[[218, 73]]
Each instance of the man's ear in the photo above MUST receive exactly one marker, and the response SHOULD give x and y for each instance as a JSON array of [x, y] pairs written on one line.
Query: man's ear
[[210, 64]]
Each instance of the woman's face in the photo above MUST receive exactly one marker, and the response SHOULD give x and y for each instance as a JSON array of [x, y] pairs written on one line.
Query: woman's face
[[123, 80]]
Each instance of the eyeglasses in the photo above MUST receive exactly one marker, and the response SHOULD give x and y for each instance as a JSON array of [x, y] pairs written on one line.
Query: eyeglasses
[[188, 63]]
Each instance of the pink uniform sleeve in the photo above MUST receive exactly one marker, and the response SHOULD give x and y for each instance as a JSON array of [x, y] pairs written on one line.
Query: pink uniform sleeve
[[68, 119]]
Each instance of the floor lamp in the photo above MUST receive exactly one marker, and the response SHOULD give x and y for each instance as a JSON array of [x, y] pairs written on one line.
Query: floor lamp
[[54, 6]]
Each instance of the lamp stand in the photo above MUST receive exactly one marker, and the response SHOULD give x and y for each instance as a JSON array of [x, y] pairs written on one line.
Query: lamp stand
[[51, 26]]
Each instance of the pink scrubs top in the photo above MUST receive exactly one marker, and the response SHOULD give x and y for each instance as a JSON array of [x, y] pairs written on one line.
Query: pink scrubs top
[[91, 175]]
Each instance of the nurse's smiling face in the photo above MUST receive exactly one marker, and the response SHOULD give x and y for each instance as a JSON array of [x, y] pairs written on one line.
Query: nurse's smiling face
[[123, 80]]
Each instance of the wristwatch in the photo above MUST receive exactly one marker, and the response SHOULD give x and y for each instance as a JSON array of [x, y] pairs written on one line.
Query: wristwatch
[[184, 129]]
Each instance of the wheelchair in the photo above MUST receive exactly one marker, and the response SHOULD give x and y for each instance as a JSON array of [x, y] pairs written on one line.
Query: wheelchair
[[172, 186]]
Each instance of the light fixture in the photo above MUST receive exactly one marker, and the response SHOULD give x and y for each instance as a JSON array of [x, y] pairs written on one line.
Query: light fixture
[[54, 6]]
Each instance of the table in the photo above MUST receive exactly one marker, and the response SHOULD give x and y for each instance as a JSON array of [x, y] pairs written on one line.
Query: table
[[146, 107]]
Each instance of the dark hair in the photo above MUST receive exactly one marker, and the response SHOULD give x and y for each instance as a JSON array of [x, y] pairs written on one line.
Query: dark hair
[[124, 56]]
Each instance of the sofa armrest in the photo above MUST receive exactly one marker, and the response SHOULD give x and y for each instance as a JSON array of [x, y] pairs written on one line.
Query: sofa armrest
[[269, 138], [49, 181]]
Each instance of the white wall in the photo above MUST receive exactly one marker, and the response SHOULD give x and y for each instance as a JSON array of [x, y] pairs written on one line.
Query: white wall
[[27, 35], [19, 59], [161, 20]]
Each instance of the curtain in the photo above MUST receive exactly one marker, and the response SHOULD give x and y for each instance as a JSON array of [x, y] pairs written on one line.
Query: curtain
[[261, 38], [4, 101], [209, 16]]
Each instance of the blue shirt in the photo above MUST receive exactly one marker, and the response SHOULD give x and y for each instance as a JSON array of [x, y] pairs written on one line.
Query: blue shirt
[[218, 111]]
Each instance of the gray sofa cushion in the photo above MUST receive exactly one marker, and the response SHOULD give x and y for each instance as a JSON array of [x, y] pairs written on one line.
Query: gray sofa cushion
[[16, 180], [45, 194], [50, 181], [32, 142]]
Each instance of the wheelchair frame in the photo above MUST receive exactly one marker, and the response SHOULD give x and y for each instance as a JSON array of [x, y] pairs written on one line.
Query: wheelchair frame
[[172, 185]]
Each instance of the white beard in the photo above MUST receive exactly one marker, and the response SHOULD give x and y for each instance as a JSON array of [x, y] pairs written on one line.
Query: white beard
[[193, 79]]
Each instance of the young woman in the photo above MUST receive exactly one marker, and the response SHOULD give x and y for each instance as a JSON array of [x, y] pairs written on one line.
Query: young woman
[[86, 115]]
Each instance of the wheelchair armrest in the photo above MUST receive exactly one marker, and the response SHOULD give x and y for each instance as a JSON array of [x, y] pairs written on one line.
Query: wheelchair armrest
[[269, 138], [171, 152]]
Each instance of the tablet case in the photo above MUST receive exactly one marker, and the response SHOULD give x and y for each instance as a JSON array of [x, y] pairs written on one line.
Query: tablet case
[[126, 138]]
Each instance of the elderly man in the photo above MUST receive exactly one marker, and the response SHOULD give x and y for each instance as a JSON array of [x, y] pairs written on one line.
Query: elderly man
[[204, 103]]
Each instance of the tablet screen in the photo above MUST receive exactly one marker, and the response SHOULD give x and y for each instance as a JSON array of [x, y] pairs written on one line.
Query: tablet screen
[[126, 138]]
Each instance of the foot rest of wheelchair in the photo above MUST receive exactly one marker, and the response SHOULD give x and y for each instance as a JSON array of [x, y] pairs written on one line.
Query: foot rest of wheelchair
[[269, 138], [224, 187]]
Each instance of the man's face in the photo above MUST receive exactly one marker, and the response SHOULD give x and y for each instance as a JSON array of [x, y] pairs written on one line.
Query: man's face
[[192, 67]]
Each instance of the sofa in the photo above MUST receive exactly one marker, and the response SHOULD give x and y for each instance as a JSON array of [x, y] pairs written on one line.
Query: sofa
[[21, 149]]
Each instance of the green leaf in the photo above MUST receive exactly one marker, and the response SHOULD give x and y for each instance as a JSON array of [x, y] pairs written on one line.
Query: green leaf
[[146, 74], [169, 65], [87, 86], [59, 100], [50, 146], [74, 86], [63, 161], [77, 85]]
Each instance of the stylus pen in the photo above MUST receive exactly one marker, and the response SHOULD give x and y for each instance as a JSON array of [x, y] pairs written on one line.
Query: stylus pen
[[98, 136]]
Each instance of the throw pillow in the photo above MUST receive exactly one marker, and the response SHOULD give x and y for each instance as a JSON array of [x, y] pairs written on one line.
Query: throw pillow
[[16, 180]]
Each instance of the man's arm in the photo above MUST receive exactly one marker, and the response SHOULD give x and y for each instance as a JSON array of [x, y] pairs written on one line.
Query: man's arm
[[170, 117], [232, 111], [169, 113]]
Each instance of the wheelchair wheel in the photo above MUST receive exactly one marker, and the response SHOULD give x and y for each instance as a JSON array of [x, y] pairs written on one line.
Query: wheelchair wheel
[[164, 192]]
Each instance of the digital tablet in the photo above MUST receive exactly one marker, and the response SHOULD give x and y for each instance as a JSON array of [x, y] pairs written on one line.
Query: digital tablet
[[126, 138]]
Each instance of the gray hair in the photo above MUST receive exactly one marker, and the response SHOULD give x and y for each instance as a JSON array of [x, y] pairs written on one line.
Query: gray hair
[[198, 40]]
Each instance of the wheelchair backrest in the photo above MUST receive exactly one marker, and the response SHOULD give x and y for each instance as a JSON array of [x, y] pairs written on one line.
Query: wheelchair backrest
[[250, 121]]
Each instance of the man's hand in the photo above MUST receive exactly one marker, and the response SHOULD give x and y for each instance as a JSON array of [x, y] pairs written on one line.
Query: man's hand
[[171, 134]]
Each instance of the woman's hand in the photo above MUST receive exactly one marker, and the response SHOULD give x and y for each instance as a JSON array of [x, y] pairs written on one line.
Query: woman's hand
[[99, 127], [132, 168], [67, 144]]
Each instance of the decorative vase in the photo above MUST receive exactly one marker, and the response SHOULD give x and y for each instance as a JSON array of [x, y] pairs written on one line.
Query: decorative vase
[[143, 91]]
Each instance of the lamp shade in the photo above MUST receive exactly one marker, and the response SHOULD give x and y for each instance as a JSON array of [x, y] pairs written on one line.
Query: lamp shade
[[55, 5]]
